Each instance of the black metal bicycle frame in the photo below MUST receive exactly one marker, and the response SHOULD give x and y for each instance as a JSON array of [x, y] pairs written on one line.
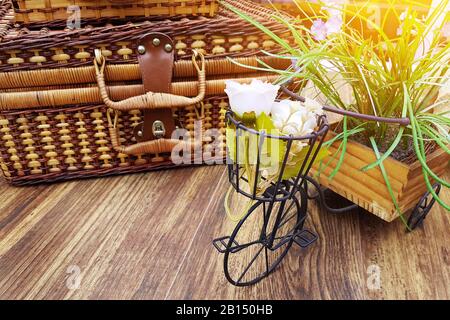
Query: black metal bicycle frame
[[286, 189], [401, 121]]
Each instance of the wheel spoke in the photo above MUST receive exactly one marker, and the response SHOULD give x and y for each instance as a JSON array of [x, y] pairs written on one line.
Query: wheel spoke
[[287, 220], [251, 263], [290, 233], [287, 210], [282, 224], [250, 255], [263, 229], [267, 259]]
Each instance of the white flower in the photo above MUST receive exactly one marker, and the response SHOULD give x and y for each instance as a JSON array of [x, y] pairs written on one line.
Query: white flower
[[313, 106], [294, 118], [257, 96], [297, 119]]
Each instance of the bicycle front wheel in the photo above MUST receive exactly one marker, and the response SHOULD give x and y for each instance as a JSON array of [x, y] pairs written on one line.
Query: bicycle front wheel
[[249, 256]]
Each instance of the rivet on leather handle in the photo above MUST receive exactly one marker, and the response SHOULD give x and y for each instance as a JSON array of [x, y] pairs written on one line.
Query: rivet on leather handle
[[141, 49], [168, 47], [156, 42]]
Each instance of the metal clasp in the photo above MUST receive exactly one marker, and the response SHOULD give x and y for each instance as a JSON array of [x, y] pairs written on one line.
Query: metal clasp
[[158, 129]]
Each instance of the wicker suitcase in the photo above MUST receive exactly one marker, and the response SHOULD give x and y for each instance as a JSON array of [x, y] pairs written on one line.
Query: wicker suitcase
[[49, 10], [58, 118]]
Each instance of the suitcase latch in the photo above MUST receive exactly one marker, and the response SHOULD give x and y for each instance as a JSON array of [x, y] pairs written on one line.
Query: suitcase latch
[[158, 129]]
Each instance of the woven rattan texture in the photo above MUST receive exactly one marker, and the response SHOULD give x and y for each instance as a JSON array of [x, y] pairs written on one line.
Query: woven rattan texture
[[23, 48], [49, 145], [48, 10], [54, 126]]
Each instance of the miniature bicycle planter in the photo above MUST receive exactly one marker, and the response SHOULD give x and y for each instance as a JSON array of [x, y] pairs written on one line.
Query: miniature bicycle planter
[[368, 190], [283, 206], [275, 221]]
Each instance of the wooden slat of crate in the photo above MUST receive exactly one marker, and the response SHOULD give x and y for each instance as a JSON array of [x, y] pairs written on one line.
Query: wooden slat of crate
[[345, 181], [368, 189], [358, 193], [438, 162], [356, 164], [366, 154], [412, 194]]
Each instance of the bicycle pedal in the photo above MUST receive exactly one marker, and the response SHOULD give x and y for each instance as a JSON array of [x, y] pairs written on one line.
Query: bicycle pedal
[[221, 244], [304, 238]]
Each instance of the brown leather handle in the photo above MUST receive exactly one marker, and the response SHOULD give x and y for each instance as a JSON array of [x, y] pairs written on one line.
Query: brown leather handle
[[150, 100]]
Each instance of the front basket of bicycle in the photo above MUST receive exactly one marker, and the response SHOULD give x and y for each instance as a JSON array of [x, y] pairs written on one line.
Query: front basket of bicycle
[[267, 165]]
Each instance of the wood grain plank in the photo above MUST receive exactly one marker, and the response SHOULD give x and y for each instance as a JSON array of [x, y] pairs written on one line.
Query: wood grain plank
[[304, 273], [157, 240], [149, 236], [413, 265]]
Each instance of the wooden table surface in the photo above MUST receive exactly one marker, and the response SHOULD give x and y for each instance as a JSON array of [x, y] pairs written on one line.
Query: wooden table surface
[[148, 236]]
